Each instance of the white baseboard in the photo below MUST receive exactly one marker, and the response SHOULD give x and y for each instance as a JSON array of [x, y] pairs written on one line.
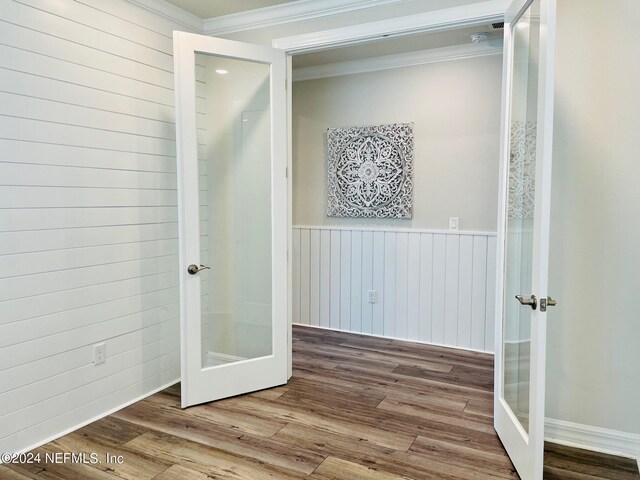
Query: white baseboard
[[596, 439], [98, 417]]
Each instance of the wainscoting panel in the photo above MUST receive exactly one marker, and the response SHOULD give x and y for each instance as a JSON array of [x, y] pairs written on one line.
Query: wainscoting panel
[[430, 287]]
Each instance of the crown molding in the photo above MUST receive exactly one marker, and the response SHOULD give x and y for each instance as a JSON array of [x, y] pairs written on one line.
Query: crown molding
[[286, 13], [372, 64], [436, 20], [171, 12]]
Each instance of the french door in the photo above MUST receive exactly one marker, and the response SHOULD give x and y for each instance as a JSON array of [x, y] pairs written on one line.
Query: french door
[[523, 254], [232, 188]]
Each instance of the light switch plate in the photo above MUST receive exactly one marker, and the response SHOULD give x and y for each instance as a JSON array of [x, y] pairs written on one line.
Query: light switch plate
[[453, 223]]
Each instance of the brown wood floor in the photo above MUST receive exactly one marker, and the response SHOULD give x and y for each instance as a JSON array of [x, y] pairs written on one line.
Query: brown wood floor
[[356, 408]]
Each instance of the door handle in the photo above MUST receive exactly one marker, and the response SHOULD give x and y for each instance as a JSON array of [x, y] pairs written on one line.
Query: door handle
[[193, 268], [532, 301], [547, 302]]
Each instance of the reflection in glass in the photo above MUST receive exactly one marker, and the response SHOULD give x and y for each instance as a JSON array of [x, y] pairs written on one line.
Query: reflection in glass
[[234, 130], [520, 212]]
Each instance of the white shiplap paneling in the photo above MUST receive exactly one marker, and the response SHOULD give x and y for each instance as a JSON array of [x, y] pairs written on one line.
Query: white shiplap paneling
[[366, 265], [426, 288], [356, 294], [88, 218], [314, 278], [438, 288], [325, 278], [345, 280], [377, 324], [388, 292], [305, 276], [334, 279], [432, 287], [413, 287]]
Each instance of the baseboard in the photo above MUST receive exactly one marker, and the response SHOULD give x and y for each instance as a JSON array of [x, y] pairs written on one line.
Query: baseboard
[[388, 337], [98, 417], [597, 439]]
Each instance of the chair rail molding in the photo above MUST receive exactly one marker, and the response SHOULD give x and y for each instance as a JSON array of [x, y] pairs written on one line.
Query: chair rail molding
[[366, 228], [409, 59], [286, 13]]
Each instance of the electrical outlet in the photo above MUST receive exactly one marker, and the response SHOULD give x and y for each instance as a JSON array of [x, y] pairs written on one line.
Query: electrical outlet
[[453, 223], [373, 296], [99, 353]]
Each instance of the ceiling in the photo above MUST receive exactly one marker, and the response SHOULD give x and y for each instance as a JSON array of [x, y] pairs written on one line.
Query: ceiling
[[394, 45], [385, 46], [216, 8]]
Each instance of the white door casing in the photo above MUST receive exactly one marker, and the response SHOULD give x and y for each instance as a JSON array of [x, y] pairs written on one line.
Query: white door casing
[[525, 449]]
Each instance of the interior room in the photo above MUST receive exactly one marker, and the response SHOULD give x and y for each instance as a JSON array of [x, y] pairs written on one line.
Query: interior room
[[319, 239]]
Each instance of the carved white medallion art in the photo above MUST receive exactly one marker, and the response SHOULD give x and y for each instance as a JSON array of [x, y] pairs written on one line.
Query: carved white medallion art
[[370, 171], [522, 170]]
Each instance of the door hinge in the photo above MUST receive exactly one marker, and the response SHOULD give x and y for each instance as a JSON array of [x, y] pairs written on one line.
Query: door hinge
[[286, 172]]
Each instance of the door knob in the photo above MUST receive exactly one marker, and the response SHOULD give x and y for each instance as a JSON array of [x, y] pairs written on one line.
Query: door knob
[[547, 302], [193, 268], [532, 301]]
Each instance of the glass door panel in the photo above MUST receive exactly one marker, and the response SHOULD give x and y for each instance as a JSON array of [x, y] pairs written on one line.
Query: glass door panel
[[233, 121], [520, 212]]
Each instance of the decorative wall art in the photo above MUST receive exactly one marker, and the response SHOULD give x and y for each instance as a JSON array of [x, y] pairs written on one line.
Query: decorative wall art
[[370, 171], [522, 170]]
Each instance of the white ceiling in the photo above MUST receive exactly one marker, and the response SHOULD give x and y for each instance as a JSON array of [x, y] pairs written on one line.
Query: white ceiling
[[386, 46], [393, 45], [215, 8]]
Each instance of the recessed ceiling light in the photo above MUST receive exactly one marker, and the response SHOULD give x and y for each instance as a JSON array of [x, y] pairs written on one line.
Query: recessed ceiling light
[[221, 71]]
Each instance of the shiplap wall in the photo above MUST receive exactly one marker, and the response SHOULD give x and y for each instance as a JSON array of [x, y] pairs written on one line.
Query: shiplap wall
[[432, 287], [88, 218]]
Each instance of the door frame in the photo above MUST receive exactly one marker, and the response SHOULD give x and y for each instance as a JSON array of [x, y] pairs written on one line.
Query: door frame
[[437, 20]]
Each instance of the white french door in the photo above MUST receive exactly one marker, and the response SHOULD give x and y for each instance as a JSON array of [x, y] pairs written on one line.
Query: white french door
[[523, 255], [232, 187]]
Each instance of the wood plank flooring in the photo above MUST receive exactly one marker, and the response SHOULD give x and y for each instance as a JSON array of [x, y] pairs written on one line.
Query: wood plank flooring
[[356, 408]]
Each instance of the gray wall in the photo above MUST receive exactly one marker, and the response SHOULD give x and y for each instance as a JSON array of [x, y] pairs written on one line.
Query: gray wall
[[455, 106], [593, 334]]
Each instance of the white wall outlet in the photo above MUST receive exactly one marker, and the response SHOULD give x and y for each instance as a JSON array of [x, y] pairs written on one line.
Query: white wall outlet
[[373, 296], [99, 353], [453, 223]]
